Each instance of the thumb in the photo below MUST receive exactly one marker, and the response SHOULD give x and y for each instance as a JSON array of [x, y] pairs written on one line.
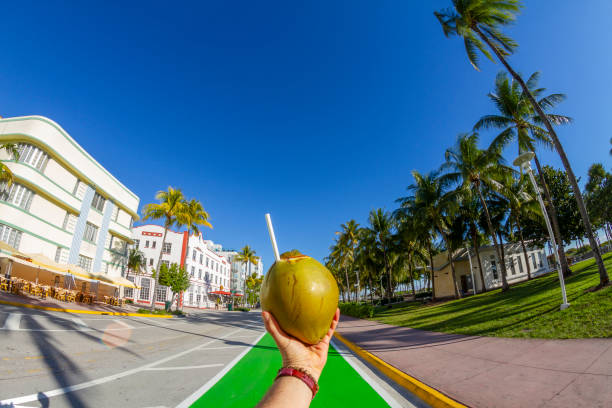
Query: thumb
[[272, 326]]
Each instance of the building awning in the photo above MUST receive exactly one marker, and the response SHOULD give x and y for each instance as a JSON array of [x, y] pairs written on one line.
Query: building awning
[[220, 292]]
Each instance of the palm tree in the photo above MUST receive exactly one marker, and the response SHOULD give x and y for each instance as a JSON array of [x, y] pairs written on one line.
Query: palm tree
[[339, 256], [479, 21], [347, 244], [136, 262], [430, 204], [247, 257], [169, 208], [6, 174], [381, 228], [470, 211], [411, 247], [473, 168], [192, 216], [253, 283], [520, 203], [518, 122]]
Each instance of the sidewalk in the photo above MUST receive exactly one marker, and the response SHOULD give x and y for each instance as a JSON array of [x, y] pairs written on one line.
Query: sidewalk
[[53, 303], [492, 371]]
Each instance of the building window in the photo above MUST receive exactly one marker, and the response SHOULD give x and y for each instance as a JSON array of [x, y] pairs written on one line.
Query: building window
[[91, 231], [146, 244], [201, 259], [129, 292], [145, 287], [494, 268], [533, 261], [151, 262], [199, 274], [76, 187], [85, 262], [98, 202], [136, 243], [160, 293], [166, 248], [153, 243], [206, 277], [193, 271], [16, 194], [512, 270], [190, 297], [520, 264], [10, 235], [207, 262], [193, 255], [58, 254], [33, 156], [540, 259]]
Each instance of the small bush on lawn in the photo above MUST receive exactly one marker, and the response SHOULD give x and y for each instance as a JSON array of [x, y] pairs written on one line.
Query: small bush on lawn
[[156, 311], [242, 309], [358, 310], [129, 301]]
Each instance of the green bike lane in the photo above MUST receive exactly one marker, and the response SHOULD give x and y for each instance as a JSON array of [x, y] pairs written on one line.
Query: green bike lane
[[249, 379]]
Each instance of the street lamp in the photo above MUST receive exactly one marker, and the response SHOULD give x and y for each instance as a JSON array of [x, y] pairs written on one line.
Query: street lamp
[[524, 162]]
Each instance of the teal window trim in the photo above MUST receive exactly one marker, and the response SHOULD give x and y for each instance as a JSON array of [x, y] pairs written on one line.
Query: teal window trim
[[35, 216], [72, 142], [32, 234]]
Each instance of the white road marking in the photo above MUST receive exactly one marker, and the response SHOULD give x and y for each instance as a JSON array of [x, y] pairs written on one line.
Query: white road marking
[[183, 368], [12, 321], [80, 324], [103, 380], [350, 358], [200, 391], [121, 322]]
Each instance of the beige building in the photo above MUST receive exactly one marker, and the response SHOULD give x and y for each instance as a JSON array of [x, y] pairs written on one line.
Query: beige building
[[516, 268]]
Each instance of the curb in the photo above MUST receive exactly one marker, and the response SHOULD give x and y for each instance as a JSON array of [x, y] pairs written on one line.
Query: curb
[[426, 393], [92, 312]]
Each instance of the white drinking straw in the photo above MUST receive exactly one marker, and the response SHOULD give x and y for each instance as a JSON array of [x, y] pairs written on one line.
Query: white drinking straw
[[272, 237]]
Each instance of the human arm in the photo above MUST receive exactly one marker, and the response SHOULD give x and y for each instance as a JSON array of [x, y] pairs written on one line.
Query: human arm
[[290, 391]]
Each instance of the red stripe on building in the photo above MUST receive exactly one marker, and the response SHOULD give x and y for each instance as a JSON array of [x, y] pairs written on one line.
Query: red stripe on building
[[184, 250]]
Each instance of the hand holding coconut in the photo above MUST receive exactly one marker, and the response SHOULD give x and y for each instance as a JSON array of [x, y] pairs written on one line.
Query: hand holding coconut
[[299, 298]]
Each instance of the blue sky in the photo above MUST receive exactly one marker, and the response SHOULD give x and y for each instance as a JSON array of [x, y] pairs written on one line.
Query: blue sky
[[314, 111]]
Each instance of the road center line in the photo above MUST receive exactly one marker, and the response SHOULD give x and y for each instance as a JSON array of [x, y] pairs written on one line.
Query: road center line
[[183, 368], [103, 380]]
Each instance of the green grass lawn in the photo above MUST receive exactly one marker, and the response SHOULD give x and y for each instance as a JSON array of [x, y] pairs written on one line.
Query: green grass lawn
[[528, 309]]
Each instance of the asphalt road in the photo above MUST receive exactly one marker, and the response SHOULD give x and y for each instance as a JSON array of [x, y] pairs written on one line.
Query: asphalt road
[[55, 359]]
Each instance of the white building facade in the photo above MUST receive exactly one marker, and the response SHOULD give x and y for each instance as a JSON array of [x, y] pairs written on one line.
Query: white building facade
[[239, 270], [63, 203], [209, 271]]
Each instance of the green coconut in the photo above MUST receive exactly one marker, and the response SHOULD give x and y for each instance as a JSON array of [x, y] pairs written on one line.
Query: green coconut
[[302, 295]]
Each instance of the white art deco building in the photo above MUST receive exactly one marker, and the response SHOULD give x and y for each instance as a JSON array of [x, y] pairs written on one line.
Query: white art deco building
[[63, 203], [208, 270]]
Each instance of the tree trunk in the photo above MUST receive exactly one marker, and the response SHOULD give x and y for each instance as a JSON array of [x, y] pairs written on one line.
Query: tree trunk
[[482, 279], [552, 212], [156, 280], [348, 288], [501, 246], [520, 231], [452, 265], [492, 233], [371, 290], [412, 283], [358, 285], [432, 278], [604, 279]]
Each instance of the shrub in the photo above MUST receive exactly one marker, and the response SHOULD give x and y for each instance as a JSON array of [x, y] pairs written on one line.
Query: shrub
[[358, 310], [129, 301], [242, 309]]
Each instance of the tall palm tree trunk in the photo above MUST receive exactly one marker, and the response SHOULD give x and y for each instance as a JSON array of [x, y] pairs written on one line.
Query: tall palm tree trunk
[[412, 282], [481, 273], [156, 280], [495, 243], [431, 279], [604, 279], [552, 212], [358, 286], [348, 288], [371, 291], [452, 265], [520, 231], [388, 270]]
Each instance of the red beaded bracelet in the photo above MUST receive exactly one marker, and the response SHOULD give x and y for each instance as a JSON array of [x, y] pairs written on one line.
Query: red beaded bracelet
[[302, 375]]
